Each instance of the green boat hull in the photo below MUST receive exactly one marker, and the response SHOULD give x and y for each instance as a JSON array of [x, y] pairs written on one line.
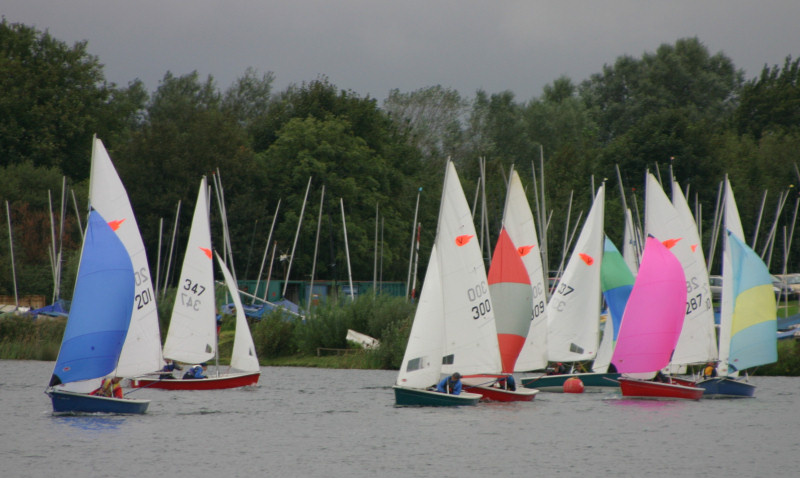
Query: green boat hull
[[414, 397], [555, 383]]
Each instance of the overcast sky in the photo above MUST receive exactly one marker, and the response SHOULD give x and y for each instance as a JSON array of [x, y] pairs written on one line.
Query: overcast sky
[[373, 46]]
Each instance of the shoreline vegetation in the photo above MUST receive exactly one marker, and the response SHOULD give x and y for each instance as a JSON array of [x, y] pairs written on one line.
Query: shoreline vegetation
[[318, 341]]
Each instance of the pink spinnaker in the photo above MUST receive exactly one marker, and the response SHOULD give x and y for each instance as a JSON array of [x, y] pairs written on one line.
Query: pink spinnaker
[[653, 318]]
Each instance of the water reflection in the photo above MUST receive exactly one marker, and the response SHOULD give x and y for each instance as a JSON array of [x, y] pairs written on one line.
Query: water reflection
[[91, 422]]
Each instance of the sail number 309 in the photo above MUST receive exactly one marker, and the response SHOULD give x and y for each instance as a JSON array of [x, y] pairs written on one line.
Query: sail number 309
[[479, 294]]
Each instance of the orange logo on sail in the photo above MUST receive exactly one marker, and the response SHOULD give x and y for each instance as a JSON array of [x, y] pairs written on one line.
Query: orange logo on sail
[[114, 225], [463, 239], [524, 250], [694, 247], [671, 242], [586, 258], [207, 252]]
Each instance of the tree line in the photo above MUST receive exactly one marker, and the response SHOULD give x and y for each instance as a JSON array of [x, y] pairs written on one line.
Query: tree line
[[679, 107]]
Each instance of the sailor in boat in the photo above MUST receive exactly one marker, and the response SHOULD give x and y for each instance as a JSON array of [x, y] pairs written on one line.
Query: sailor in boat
[[109, 388], [451, 384], [507, 383], [660, 377], [197, 371], [710, 370], [166, 371], [558, 369]]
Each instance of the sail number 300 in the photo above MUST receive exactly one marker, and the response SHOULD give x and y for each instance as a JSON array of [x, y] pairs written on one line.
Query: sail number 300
[[479, 293]]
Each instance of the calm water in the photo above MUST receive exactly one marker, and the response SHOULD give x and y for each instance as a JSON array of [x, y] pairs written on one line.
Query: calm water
[[343, 423]]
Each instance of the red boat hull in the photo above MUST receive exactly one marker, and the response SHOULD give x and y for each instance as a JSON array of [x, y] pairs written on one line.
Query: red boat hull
[[494, 394], [231, 380], [658, 390]]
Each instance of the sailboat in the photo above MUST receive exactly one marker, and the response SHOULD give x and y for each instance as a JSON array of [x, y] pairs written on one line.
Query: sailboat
[[192, 334], [510, 289], [97, 325], [651, 325], [748, 325], [518, 222], [697, 343], [453, 328], [141, 350], [573, 312]]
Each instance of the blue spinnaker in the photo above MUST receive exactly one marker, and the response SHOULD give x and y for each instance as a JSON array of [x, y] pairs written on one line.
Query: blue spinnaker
[[101, 307]]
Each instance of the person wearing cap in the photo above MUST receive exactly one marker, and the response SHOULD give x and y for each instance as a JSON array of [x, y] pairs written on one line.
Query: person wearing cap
[[451, 384], [197, 371]]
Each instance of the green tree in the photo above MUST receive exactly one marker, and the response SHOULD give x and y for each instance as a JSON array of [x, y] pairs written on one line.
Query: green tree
[[188, 134], [53, 97], [667, 104], [328, 152], [430, 118], [771, 101]]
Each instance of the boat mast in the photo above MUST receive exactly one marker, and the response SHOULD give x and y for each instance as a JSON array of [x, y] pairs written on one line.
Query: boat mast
[[316, 248], [296, 235], [411, 253], [264, 257], [171, 249], [347, 251], [11, 246]]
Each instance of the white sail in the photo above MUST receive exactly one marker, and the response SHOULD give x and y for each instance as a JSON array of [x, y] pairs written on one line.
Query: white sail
[[606, 349], [573, 313], [244, 350], [519, 223], [470, 331], [733, 224], [141, 352], [697, 342], [422, 361], [192, 335]]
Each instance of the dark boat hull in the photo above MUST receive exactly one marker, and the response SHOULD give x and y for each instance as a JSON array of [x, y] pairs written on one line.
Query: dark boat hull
[[726, 387], [415, 397], [72, 402], [555, 383]]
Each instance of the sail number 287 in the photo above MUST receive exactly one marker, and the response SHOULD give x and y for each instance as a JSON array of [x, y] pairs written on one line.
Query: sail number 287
[[479, 296]]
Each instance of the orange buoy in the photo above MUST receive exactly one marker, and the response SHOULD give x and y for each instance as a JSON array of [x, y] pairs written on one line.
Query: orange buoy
[[573, 385]]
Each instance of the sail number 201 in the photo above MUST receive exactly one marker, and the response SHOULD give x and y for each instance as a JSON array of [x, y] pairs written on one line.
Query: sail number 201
[[479, 296], [143, 298]]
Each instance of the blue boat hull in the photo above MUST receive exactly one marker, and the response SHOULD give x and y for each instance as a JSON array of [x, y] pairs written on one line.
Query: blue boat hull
[[428, 398], [725, 387], [71, 402], [555, 383]]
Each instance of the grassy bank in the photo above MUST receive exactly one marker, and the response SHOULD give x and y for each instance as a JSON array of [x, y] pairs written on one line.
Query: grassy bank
[[317, 341]]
